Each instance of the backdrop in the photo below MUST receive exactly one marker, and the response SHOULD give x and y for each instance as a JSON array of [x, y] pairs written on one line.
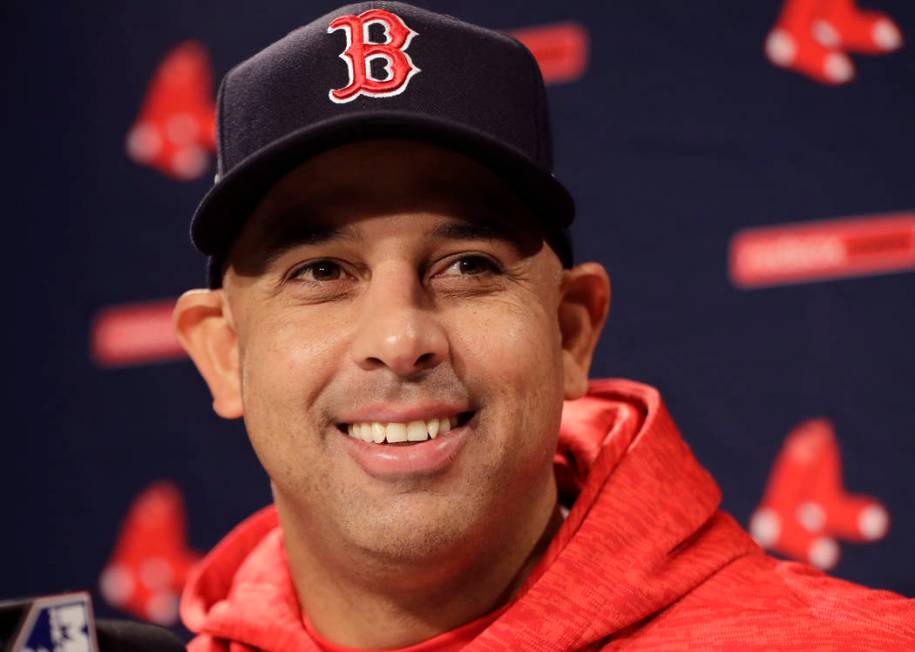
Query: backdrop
[[743, 169]]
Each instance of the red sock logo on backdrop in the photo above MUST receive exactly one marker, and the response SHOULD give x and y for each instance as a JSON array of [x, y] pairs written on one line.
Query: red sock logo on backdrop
[[805, 508], [151, 560], [176, 128], [812, 37], [360, 52]]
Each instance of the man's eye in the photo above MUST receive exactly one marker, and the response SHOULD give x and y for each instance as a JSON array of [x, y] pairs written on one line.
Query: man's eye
[[319, 271], [471, 265]]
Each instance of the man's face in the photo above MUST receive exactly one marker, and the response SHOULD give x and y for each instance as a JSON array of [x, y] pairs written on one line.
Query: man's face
[[387, 283]]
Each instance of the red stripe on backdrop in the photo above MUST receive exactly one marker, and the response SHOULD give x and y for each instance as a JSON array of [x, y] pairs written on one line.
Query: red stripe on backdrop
[[134, 334], [817, 251], [561, 50]]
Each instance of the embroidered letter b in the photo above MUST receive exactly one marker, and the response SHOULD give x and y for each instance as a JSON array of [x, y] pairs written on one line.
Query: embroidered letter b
[[360, 52]]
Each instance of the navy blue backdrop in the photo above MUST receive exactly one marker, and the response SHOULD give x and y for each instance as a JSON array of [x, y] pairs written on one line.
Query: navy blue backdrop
[[677, 135]]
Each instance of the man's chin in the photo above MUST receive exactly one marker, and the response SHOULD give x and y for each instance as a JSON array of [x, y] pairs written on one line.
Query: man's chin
[[416, 532]]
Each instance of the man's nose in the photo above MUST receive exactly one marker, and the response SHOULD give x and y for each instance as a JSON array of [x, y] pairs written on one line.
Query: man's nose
[[397, 329]]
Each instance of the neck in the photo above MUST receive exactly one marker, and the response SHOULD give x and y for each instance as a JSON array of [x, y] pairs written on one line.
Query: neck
[[385, 606]]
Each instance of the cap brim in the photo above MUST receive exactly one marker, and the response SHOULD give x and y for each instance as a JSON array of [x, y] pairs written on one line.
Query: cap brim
[[228, 204]]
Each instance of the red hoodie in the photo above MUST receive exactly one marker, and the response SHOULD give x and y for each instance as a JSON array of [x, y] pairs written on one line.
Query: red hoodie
[[644, 560]]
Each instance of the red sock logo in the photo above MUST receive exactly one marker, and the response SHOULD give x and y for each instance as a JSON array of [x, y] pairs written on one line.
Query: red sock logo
[[151, 560], [360, 52], [176, 128], [805, 508], [812, 37]]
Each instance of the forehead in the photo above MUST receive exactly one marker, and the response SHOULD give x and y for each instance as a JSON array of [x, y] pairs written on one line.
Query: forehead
[[337, 189], [380, 172]]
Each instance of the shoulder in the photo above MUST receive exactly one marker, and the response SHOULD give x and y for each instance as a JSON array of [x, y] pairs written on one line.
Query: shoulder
[[760, 602]]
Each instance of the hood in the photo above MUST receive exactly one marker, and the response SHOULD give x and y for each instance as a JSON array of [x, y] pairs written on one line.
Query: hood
[[643, 530]]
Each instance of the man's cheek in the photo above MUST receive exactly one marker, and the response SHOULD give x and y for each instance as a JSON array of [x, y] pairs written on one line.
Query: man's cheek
[[519, 348], [519, 367], [292, 365]]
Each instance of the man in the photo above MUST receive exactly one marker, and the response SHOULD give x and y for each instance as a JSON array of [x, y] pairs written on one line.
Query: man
[[394, 310]]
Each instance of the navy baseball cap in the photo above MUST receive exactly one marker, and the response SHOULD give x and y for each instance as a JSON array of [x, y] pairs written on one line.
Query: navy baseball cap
[[380, 70]]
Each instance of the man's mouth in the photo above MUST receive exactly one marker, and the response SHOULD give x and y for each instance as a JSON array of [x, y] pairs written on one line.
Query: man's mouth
[[404, 433], [424, 444]]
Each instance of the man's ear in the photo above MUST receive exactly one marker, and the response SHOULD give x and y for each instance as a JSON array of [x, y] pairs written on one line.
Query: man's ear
[[583, 305], [203, 326]]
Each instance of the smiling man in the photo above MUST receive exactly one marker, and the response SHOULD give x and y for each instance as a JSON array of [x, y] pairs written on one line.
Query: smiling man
[[394, 311]]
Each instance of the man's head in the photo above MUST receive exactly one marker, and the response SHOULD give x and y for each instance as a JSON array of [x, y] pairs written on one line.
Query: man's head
[[419, 292], [399, 287]]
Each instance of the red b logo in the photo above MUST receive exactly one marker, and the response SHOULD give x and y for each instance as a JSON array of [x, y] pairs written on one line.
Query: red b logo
[[360, 52]]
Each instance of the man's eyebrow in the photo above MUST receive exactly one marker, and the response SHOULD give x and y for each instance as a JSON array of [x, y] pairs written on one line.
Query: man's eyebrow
[[292, 231], [474, 231]]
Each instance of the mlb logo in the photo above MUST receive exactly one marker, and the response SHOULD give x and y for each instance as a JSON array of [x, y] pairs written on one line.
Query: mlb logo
[[62, 623]]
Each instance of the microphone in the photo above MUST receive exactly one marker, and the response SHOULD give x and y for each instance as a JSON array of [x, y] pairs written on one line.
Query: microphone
[[128, 635], [66, 623]]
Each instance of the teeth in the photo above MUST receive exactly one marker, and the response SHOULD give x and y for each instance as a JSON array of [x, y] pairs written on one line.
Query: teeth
[[395, 432], [375, 432], [366, 432], [378, 431], [416, 431]]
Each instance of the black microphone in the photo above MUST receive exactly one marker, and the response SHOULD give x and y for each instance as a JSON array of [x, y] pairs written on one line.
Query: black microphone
[[66, 623], [124, 635]]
